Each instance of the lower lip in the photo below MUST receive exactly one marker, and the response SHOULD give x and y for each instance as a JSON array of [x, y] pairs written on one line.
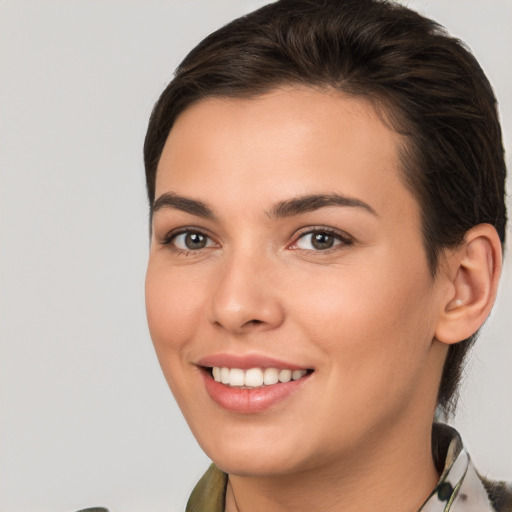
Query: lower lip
[[247, 401]]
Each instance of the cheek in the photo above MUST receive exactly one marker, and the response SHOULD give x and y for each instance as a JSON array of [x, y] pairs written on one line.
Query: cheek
[[371, 325], [375, 343], [173, 306]]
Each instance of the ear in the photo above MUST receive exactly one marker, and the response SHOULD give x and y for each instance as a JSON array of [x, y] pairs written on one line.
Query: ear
[[473, 271]]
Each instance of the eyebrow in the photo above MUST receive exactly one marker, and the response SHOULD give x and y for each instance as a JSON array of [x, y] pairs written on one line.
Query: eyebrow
[[287, 208], [185, 204], [308, 203]]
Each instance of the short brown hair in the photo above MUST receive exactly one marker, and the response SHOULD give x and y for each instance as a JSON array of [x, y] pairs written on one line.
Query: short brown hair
[[429, 86]]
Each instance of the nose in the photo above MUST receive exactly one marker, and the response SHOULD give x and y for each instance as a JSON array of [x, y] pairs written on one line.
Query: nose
[[246, 297]]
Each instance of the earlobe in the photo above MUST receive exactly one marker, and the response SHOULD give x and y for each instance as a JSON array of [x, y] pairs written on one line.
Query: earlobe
[[474, 270]]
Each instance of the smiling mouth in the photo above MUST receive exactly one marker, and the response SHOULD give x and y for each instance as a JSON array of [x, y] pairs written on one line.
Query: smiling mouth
[[254, 378]]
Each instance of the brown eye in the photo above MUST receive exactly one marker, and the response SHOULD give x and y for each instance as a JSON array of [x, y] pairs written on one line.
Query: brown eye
[[195, 241], [322, 240], [191, 241]]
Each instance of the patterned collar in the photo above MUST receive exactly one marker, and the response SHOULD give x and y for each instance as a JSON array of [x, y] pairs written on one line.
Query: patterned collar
[[460, 488]]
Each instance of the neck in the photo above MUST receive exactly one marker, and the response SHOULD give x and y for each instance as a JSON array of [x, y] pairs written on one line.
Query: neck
[[394, 476]]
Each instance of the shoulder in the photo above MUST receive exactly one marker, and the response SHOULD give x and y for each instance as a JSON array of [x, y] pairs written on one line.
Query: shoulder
[[209, 493], [462, 486], [500, 494]]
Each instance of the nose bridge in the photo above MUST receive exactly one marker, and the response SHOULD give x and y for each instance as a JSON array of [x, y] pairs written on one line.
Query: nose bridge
[[244, 297]]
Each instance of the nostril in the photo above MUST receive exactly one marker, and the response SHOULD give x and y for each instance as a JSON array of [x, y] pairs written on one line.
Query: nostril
[[253, 322]]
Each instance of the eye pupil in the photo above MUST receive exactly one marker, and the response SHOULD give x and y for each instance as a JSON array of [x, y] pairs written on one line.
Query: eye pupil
[[195, 241], [322, 241]]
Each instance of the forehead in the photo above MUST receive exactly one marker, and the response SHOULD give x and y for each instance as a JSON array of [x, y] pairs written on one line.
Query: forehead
[[289, 141]]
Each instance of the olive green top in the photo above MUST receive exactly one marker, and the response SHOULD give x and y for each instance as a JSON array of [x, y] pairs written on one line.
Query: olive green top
[[210, 492]]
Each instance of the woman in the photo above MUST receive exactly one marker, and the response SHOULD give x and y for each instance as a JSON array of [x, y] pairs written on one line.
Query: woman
[[326, 182]]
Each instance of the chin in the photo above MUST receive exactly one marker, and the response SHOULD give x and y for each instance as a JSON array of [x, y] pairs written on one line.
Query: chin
[[253, 455], [262, 464]]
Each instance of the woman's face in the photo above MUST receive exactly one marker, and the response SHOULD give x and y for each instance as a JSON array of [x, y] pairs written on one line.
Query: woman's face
[[284, 240]]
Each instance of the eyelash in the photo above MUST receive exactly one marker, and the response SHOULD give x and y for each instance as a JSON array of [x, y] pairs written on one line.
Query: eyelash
[[342, 239], [171, 237]]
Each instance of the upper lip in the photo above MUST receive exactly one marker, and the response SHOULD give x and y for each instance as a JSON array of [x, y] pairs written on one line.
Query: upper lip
[[246, 361]]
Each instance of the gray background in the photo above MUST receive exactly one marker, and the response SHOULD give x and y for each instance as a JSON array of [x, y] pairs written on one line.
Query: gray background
[[86, 417]]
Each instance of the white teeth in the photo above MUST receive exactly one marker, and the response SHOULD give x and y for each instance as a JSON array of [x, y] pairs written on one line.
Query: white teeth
[[236, 377], [254, 377], [270, 376], [285, 376], [224, 375], [297, 374]]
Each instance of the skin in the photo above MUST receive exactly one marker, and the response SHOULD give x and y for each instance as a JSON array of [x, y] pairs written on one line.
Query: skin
[[363, 314]]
